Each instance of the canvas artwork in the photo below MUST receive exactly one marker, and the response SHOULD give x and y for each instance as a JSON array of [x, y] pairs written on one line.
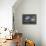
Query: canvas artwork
[[29, 19]]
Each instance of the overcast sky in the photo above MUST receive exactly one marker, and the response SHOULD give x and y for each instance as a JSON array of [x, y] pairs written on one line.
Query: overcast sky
[[6, 13]]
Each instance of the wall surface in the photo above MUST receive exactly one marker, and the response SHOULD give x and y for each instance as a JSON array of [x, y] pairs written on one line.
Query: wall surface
[[29, 31], [43, 22]]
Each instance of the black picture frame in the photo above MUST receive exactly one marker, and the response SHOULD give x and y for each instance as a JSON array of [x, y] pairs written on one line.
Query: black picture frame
[[29, 19]]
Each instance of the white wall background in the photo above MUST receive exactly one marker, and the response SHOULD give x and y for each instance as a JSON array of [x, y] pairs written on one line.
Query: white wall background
[[43, 22], [30, 31], [30, 7], [6, 13]]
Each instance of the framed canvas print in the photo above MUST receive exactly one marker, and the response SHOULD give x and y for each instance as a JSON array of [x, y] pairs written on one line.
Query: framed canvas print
[[29, 19]]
